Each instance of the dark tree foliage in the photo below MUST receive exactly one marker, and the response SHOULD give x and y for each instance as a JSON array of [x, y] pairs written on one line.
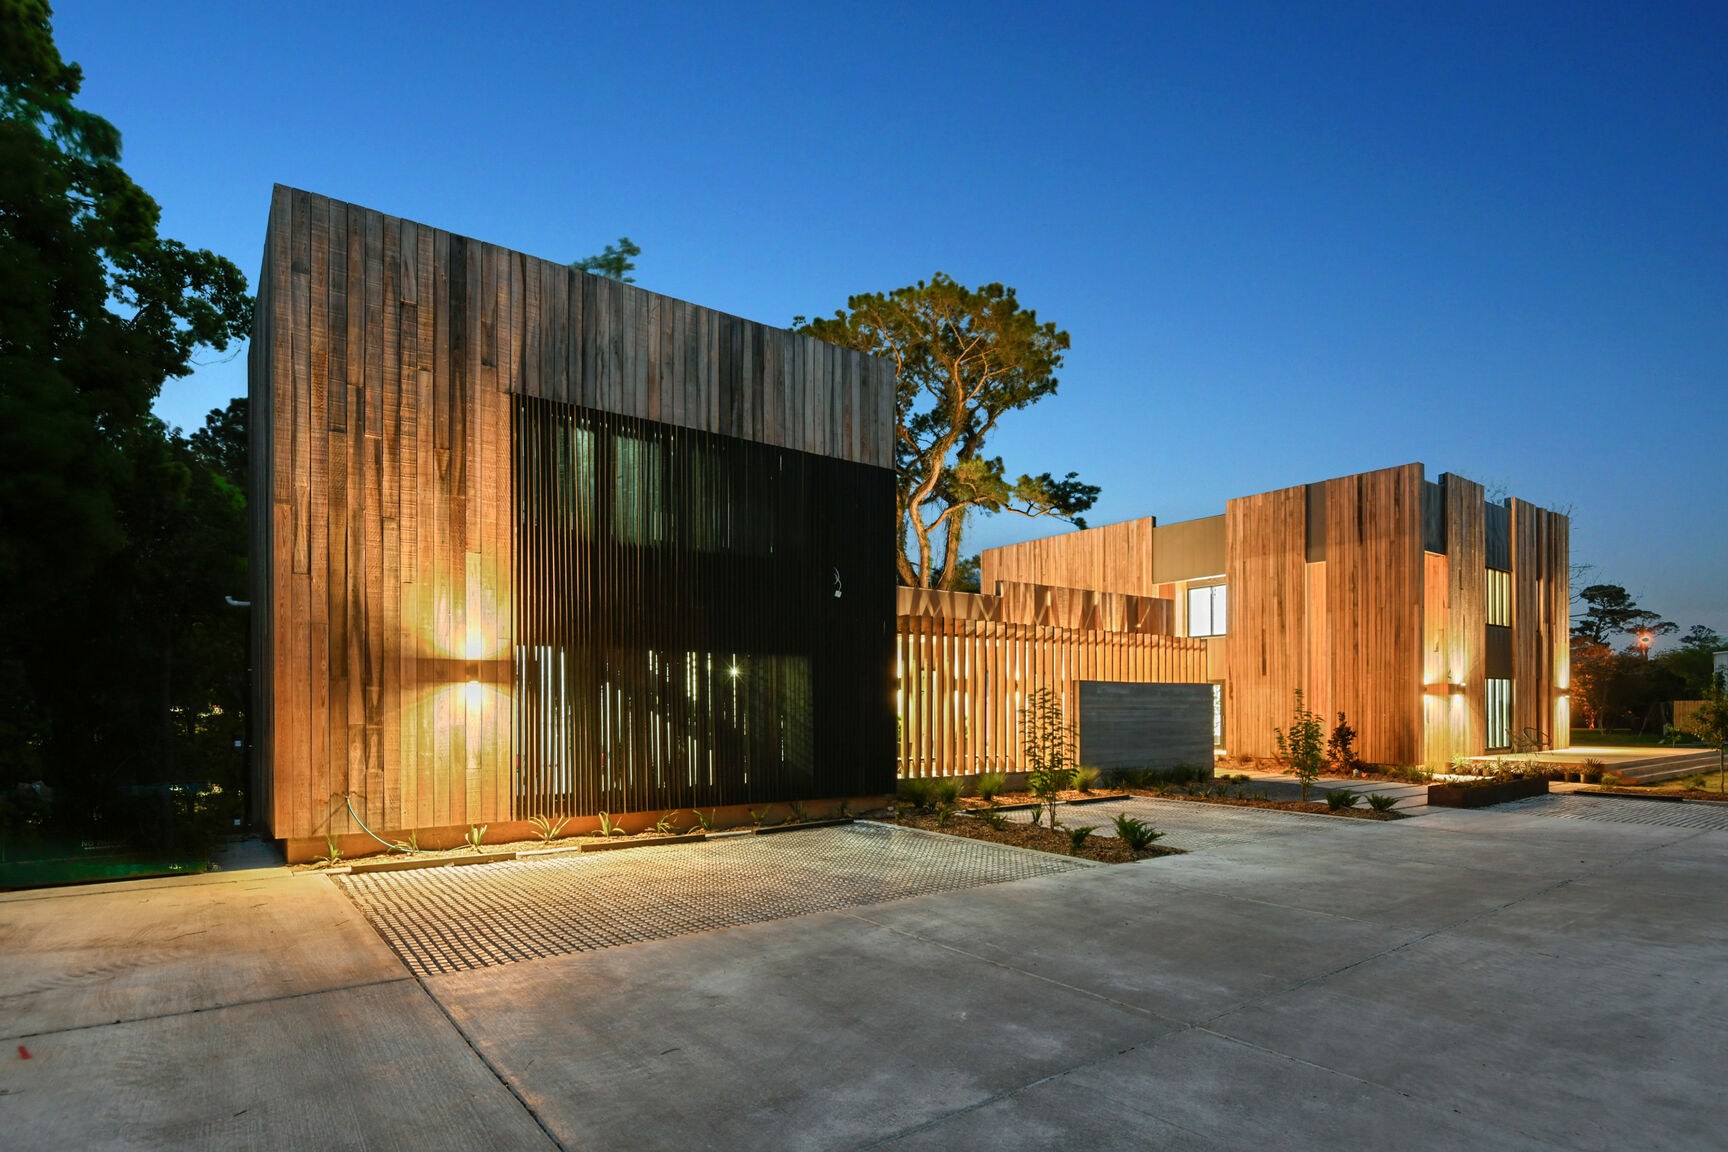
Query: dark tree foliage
[[1692, 660], [614, 262], [120, 536], [1612, 614], [966, 358]]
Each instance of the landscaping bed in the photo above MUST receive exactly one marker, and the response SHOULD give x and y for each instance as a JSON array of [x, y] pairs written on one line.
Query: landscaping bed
[[489, 853], [1658, 792], [1485, 793], [1011, 801], [1104, 849], [1317, 807]]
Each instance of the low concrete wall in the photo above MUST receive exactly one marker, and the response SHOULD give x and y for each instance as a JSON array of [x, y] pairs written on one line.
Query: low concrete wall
[[1157, 726]]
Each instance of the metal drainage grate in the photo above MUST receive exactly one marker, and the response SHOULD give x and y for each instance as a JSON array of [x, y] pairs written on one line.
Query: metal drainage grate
[[1193, 826], [1668, 814], [455, 919]]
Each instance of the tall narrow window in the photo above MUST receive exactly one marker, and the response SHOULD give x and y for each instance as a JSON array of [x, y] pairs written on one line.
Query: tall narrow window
[[1206, 610], [1499, 598], [1499, 734]]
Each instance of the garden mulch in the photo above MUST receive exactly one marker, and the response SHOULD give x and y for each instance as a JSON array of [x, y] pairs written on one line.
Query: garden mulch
[[1708, 796], [1104, 849], [1010, 800], [1317, 807]]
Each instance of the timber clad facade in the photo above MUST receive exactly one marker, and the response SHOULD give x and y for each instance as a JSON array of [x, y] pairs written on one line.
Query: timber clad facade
[[1435, 620], [530, 542]]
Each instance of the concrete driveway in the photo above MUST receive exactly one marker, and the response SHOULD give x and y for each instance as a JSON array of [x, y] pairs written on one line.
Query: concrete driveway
[[1493, 979]]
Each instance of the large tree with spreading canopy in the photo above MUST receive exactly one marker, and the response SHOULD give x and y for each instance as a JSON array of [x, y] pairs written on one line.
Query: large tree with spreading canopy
[[966, 358]]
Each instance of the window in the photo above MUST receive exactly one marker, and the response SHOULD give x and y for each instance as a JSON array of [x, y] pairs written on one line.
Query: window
[[1499, 598], [1206, 611], [1499, 735]]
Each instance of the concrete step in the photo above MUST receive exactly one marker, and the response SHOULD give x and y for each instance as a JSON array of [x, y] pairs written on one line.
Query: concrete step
[[1669, 767]]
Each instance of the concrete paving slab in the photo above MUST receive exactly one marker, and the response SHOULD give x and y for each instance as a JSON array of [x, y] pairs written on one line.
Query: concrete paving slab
[[376, 1067], [1146, 942], [1197, 1090], [1405, 894], [1655, 912], [1497, 842], [1557, 1051], [96, 955], [1467, 979], [819, 1032]]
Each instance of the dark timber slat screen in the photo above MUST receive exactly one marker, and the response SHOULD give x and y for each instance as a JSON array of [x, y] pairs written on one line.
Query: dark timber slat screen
[[677, 628]]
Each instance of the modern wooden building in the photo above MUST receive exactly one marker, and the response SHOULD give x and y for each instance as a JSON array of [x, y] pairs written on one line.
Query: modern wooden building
[[530, 542], [1433, 618]]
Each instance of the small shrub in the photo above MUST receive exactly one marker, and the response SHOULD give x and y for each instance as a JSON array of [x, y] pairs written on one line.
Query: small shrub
[[1049, 747], [410, 845], [607, 828], [991, 783], [992, 817], [664, 825], [1592, 771], [1341, 798], [760, 819], [1085, 777], [799, 815], [706, 823], [332, 854], [1163, 779], [1077, 838], [1381, 802], [546, 829], [945, 790], [1612, 779], [1135, 833], [476, 835], [915, 791], [1341, 748], [1301, 748]]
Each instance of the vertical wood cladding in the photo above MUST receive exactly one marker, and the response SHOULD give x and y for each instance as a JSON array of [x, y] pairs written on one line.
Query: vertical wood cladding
[[1379, 628], [1374, 600], [1368, 592], [1267, 636], [679, 640], [964, 679], [1079, 608], [1110, 558], [1540, 621], [384, 368], [1465, 637]]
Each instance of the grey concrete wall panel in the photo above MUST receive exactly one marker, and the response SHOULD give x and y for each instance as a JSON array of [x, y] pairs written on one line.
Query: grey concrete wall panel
[[1145, 725]]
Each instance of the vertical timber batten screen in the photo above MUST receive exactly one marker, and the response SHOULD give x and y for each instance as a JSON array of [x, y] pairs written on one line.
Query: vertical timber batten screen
[[963, 683], [691, 611]]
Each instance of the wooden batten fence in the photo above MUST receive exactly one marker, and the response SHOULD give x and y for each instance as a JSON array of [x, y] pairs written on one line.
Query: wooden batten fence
[[962, 683]]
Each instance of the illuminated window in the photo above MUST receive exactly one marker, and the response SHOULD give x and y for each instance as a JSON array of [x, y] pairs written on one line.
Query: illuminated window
[[1206, 610], [1499, 598], [1499, 715]]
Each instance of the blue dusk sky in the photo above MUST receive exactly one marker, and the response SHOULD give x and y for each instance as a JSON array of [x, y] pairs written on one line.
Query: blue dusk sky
[[1289, 241]]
